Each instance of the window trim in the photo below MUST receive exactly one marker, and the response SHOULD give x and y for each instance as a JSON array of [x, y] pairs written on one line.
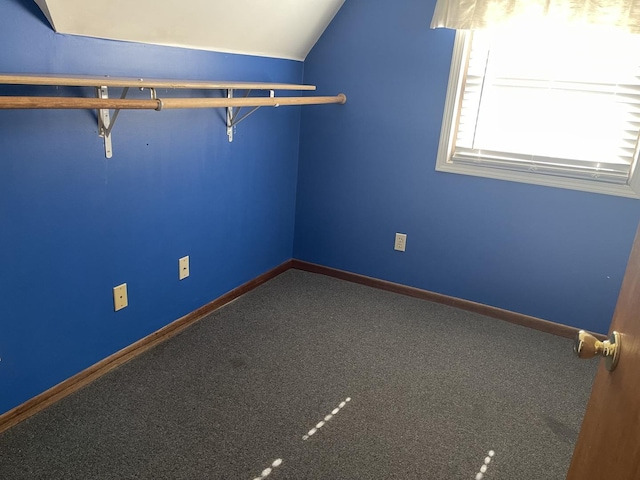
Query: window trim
[[448, 134]]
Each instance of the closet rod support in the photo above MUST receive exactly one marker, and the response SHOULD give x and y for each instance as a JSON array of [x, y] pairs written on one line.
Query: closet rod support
[[236, 122], [230, 117], [117, 111], [236, 112], [105, 122]]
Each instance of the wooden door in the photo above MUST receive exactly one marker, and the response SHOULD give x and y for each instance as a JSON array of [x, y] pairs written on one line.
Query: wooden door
[[608, 446]]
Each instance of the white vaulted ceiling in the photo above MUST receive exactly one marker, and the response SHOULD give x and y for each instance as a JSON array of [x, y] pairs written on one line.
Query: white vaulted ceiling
[[268, 28]]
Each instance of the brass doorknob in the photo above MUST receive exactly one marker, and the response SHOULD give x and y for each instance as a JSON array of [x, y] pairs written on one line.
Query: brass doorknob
[[588, 346]]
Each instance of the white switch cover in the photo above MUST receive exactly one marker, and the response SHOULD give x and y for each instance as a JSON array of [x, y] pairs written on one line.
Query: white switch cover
[[401, 242], [120, 299], [183, 265]]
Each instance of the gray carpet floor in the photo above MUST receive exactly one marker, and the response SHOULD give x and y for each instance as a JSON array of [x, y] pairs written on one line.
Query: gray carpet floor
[[432, 390]]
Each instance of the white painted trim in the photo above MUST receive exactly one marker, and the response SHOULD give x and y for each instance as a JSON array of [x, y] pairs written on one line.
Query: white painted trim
[[447, 139], [45, 9], [544, 180], [447, 132]]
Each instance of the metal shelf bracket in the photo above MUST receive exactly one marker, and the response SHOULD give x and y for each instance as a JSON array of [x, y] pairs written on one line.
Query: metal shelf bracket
[[230, 117], [106, 122]]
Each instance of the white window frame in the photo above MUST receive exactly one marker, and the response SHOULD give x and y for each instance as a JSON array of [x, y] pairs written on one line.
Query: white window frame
[[448, 138]]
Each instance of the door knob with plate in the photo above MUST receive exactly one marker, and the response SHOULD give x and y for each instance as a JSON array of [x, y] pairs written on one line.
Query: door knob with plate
[[587, 346]]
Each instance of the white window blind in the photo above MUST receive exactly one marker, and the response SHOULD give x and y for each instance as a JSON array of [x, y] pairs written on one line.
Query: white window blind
[[550, 104]]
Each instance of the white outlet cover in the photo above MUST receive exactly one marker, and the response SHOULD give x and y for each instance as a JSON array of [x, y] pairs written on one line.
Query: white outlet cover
[[401, 242], [183, 267], [120, 297]]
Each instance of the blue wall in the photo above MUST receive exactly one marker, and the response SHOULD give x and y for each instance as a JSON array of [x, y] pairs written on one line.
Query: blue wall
[[73, 224], [366, 171]]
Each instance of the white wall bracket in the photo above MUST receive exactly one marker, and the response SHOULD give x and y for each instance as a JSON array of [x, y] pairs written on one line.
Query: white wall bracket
[[232, 115], [106, 122]]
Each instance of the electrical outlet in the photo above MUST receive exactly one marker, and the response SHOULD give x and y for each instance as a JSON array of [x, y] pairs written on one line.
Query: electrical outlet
[[183, 267], [120, 299], [401, 242]]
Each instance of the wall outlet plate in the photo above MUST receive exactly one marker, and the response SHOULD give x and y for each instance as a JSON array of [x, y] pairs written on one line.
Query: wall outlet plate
[[120, 298], [183, 267], [401, 242]]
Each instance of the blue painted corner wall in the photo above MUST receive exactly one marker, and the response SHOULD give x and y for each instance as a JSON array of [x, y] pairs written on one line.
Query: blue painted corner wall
[[367, 171], [73, 224]]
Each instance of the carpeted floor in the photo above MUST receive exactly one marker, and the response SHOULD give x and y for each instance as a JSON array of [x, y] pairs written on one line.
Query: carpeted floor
[[432, 390]]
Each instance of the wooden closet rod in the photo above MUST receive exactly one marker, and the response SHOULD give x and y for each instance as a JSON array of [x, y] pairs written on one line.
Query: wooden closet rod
[[159, 104]]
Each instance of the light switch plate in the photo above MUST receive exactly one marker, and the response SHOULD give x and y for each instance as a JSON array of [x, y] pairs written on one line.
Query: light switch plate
[[120, 299]]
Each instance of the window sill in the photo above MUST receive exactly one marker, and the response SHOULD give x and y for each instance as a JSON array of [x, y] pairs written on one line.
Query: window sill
[[544, 180]]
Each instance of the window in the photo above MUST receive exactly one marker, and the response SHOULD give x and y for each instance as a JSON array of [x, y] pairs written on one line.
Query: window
[[558, 109]]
